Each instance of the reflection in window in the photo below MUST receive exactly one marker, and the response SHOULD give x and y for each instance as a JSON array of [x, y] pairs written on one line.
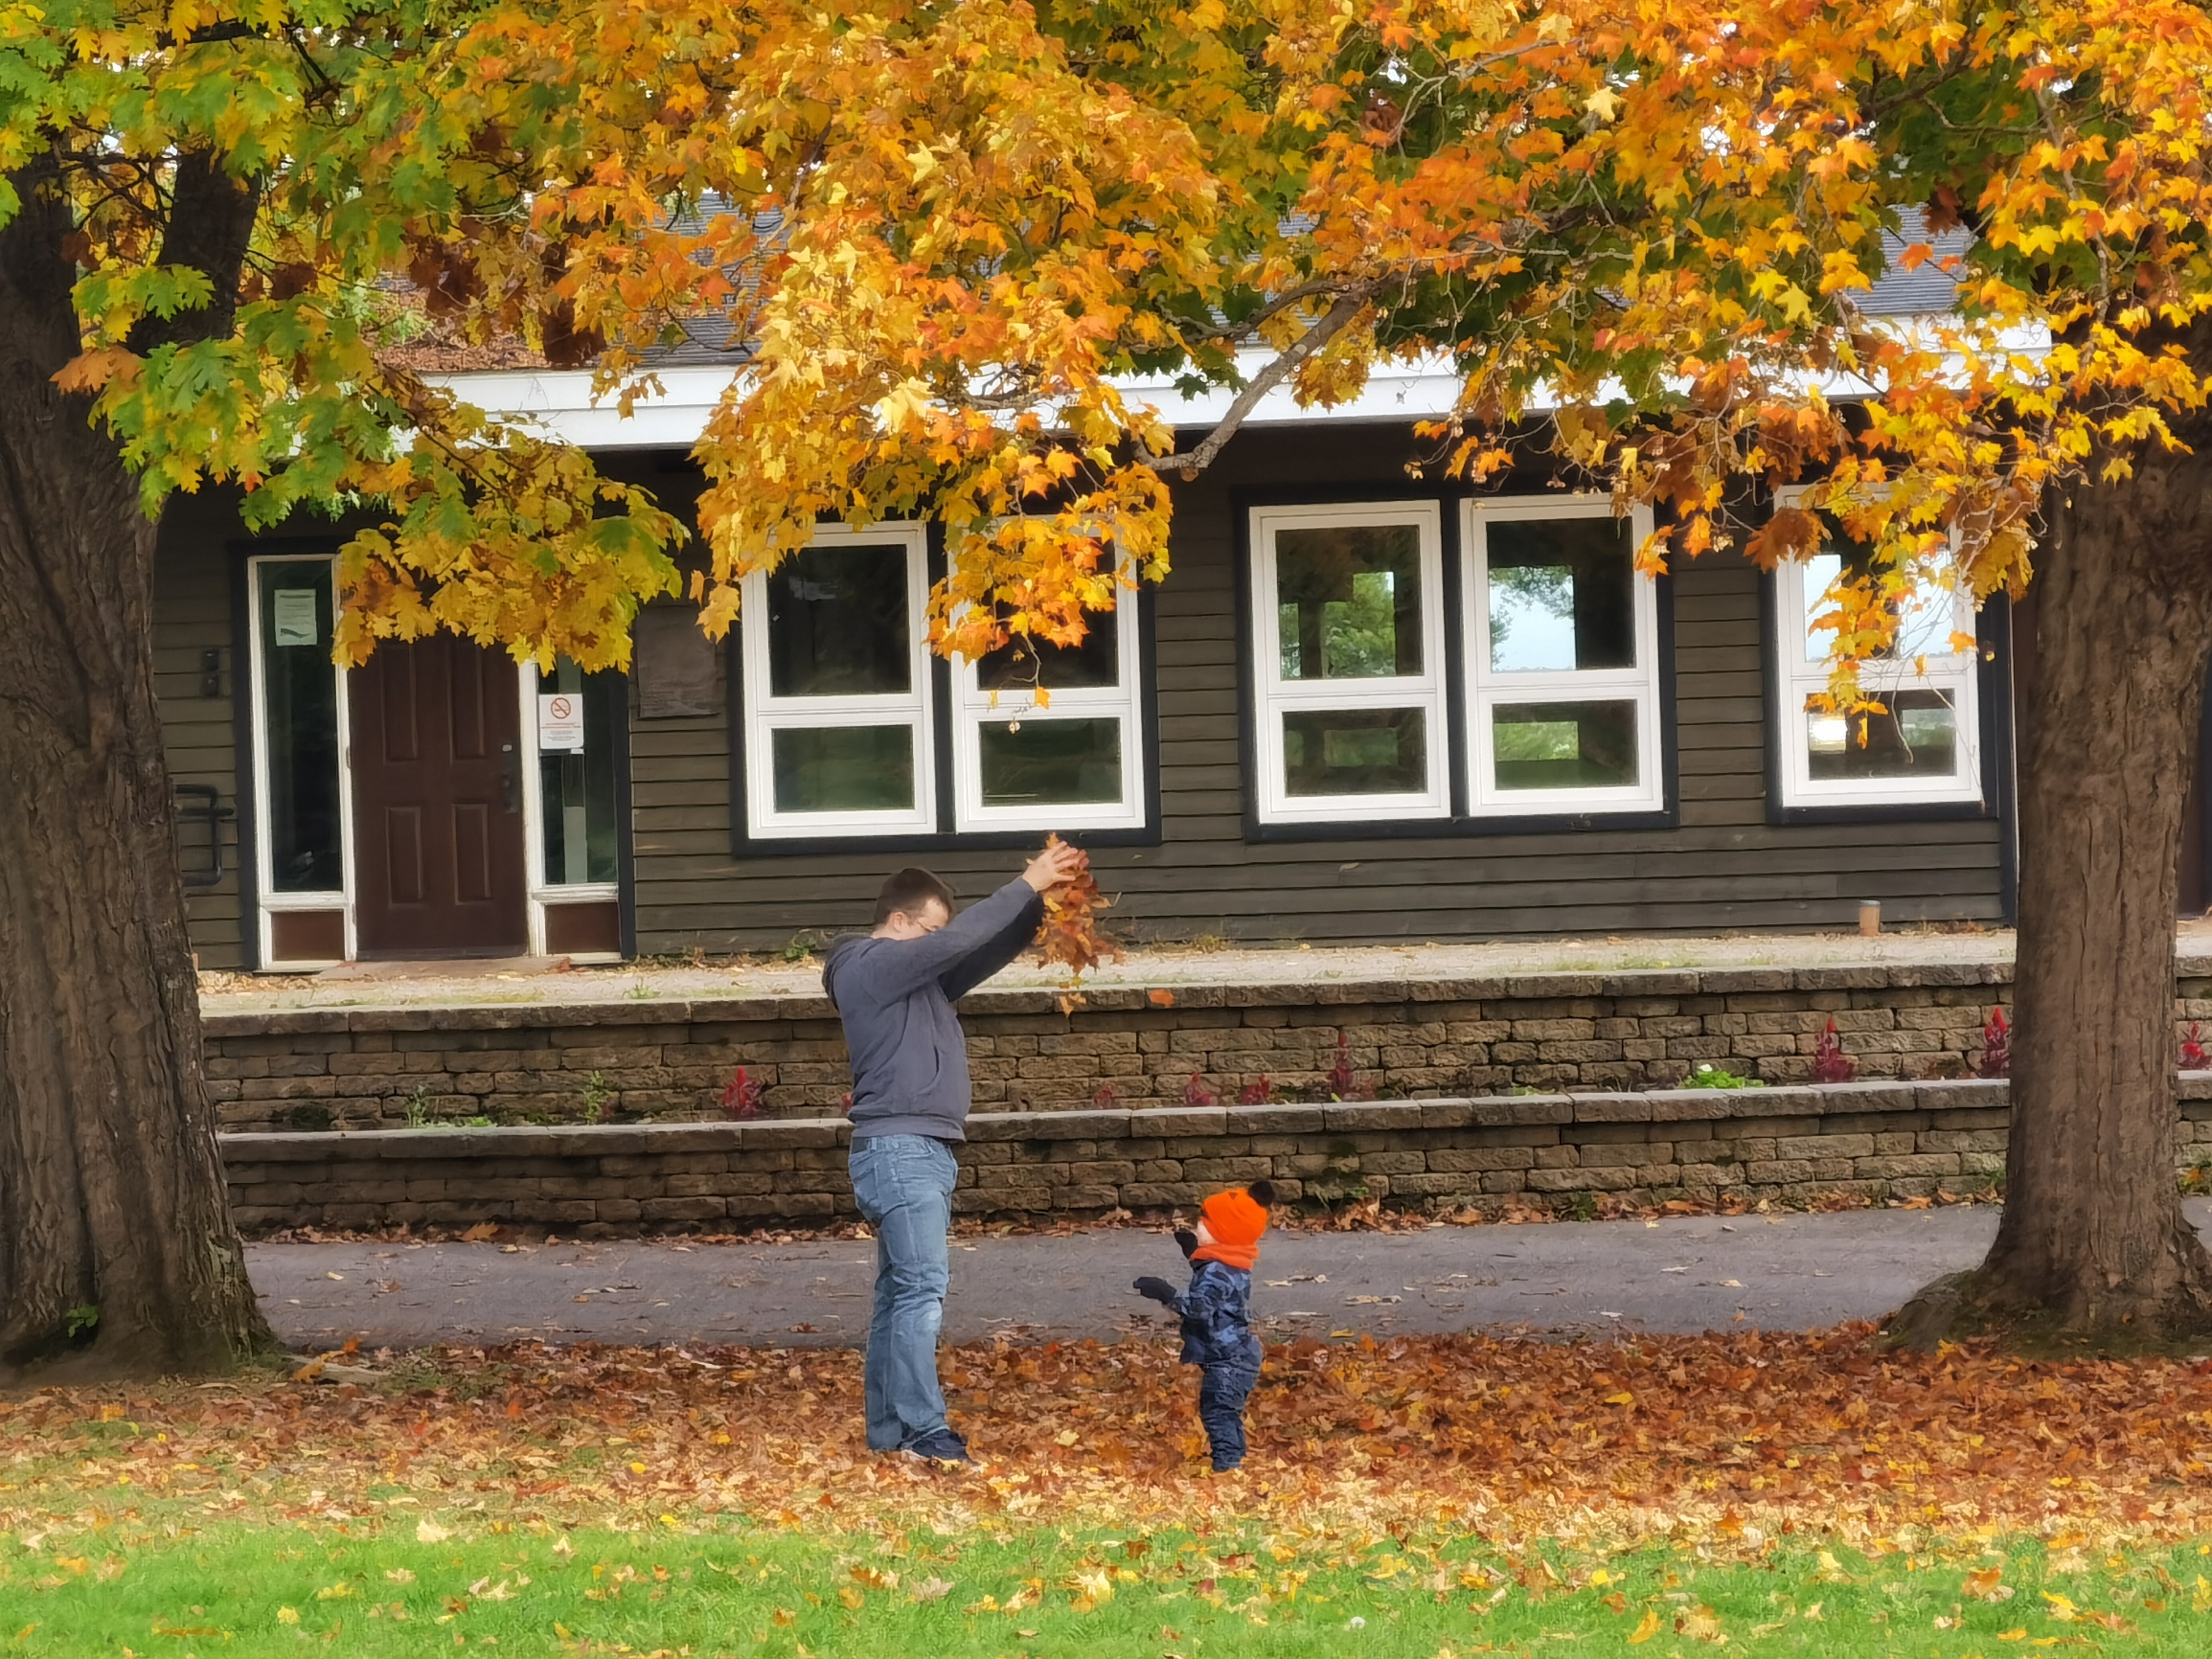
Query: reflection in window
[[577, 786], [1355, 751], [1565, 745], [844, 769], [1045, 762], [1348, 601], [837, 622], [300, 725], [1561, 594], [1914, 735]]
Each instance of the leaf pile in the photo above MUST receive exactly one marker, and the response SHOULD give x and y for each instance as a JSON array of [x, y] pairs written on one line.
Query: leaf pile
[[1071, 934], [1698, 1435]]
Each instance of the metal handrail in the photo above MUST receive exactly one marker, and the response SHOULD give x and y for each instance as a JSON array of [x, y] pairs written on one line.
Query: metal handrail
[[203, 801]]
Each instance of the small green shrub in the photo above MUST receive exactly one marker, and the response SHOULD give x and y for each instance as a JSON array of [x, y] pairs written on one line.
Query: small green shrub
[[1709, 1075]]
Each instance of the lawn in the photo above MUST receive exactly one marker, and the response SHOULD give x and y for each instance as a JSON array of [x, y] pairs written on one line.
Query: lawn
[[1423, 1497]]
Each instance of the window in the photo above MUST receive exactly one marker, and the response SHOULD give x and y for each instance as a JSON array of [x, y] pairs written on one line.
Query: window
[[1076, 762], [836, 688], [577, 717], [1348, 613], [300, 793], [1921, 746], [1561, 651]]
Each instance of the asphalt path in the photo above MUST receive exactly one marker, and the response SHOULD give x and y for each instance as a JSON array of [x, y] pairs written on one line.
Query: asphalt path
[[1690, 1274]]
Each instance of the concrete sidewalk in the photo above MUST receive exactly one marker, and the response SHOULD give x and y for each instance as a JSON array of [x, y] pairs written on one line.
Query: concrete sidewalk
[[1697, 1273]]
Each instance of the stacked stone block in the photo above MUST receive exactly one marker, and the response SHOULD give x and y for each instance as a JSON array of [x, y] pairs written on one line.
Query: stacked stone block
[[1875, 1140], [1409, 1039]]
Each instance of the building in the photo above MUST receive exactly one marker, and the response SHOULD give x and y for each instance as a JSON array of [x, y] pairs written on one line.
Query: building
[[1363, 707]]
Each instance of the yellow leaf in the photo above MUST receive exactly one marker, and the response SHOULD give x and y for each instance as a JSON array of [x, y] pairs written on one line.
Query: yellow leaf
[[850, 1597], [2063, 1608], [1067, 1437], [287, 1615], [429, 1531], [2019, 1635], [783, 1616], [1624, 1398], [1645, 1629]]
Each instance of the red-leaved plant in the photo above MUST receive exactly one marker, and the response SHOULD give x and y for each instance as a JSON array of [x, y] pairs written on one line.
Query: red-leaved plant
[[742, 1096], [1830, 1063], [2194, 1059], [1342, 1083], [1995, 1059], [1196, 1094], [1255, 1094]]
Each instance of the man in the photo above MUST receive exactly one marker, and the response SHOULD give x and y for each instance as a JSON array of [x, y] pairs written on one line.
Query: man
[[895, 989]]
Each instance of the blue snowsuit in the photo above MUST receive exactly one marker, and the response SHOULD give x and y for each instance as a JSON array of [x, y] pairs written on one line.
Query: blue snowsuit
[[1218, 1338]]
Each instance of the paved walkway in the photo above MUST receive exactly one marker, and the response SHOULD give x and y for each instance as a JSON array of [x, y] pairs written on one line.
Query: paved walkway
[[1697, 1273]]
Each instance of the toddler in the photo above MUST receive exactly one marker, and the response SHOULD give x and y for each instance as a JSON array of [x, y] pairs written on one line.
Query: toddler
[[1216, 1311]]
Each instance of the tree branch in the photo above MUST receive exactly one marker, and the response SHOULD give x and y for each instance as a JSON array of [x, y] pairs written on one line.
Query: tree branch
[[210, 220], [1334, 322]]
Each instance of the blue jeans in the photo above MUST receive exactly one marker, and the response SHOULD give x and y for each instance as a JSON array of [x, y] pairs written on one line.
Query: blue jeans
[[905, 1186]]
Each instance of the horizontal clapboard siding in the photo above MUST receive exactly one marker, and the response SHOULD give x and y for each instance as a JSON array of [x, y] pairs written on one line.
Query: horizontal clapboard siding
[[1722, 867], [192, 612]]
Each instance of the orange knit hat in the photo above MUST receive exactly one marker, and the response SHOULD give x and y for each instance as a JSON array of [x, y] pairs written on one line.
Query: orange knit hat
[[1236, 1219]]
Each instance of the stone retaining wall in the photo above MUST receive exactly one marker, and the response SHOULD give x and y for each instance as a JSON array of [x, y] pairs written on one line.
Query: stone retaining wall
[[659, 1062], [1881, 1140]]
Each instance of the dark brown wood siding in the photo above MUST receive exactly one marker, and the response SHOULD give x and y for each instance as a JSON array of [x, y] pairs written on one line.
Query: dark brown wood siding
[[192, 617], [1723, 866]]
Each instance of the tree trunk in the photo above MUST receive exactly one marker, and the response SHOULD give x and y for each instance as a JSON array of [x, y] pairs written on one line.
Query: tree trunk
[[116, 1251], [2094, 1240]]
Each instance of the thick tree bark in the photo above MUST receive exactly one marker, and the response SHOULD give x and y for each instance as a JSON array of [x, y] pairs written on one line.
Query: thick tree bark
[[116, 1251], [2093, 1239]]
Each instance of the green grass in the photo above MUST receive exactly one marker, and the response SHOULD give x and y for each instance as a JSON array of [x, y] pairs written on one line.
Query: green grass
[[726, 1585]]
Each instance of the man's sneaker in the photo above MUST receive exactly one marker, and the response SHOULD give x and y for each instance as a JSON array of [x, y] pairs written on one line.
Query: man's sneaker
[[942, 1447]]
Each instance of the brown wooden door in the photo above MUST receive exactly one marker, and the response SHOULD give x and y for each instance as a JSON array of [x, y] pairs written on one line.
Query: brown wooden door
[[438, 802]]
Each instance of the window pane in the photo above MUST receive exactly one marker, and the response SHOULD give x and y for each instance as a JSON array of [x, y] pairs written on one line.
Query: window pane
[[837, 623], [300, 714], [577, 787], [1023, 665], [844, 769], [1923, 622], [1050, 762], [1562, 594], [1565, 745], [1348, 601], [1355, 752], [1917, 737]]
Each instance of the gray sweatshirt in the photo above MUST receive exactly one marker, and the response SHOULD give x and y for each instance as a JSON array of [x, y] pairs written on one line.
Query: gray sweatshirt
[[896, 997]]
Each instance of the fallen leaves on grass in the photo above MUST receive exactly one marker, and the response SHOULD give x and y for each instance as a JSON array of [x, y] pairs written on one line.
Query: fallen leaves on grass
[[1738, 1437]]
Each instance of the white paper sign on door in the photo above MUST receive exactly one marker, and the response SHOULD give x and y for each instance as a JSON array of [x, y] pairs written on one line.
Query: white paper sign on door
[[293, 614], [560, 723]]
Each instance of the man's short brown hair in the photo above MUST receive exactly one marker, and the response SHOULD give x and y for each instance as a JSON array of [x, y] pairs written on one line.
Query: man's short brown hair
[[909, 890]]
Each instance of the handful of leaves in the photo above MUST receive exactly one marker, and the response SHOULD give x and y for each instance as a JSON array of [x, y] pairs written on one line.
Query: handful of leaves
[[1071, 934]]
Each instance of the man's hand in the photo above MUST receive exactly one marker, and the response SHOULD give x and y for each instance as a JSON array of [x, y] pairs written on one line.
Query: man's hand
[[1056, 864], [1158, 1289]]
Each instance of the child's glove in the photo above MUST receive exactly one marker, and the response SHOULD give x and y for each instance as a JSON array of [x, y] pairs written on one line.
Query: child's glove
[[1186, 1240], [1158, 1289]]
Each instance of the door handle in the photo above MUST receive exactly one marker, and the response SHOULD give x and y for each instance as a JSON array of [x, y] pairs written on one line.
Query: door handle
[[509, 779]]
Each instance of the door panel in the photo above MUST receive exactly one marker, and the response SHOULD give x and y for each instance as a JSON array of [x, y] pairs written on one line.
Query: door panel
[[438, 797]]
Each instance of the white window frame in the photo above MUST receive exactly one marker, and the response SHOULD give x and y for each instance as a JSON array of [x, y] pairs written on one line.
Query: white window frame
[[1956, 675], [1275, 696], [268, 901], [1486, 688], [765, 715], [973, 707], [542, 888]]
